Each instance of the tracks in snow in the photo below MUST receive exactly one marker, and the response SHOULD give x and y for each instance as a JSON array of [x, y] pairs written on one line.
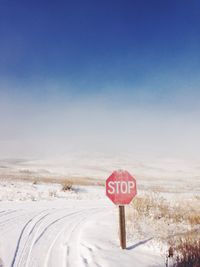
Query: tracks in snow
[[49, 236]]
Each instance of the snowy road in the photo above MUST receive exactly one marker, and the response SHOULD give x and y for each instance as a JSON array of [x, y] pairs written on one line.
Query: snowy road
[[66, 233]]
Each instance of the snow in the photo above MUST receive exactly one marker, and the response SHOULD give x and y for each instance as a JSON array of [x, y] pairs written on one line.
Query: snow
[[68, 232], [27, 191], [41, 225]]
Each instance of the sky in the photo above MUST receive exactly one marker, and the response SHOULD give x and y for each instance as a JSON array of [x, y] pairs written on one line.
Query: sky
[[101, 76]]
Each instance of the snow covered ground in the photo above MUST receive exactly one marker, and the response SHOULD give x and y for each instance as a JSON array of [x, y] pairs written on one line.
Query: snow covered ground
[[41, 225], [78, 228], [163, 174]]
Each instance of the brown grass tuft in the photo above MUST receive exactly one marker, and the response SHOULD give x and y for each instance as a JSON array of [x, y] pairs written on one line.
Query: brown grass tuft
[[67, 186], [185, 252]]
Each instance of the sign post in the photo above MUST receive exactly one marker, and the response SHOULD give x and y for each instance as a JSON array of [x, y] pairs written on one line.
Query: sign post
[[121, 189], [122, 227]]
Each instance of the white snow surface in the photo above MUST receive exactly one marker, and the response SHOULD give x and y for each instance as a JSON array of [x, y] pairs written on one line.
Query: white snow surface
[[78, 228], [171, 174], [43, 226]]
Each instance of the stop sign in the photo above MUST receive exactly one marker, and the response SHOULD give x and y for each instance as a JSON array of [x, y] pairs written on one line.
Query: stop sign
[[121, 187]]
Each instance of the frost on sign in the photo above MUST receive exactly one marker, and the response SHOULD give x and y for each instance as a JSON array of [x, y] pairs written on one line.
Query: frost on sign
[[121, 187]]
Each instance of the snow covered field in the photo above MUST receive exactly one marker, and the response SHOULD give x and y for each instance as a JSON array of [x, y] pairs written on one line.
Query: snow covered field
[[163, 174], [41, 225], [67, 231]]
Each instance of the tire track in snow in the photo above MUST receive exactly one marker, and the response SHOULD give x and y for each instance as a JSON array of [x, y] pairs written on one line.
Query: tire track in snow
[[26, 251], [6, 212], [36, 239], [60, 234], [33, 238], [9, 219], [59, 250], [20, 239], [56, 239], [73, 243]]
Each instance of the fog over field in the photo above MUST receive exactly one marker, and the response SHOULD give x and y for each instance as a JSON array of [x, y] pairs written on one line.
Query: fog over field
[[57, 124]]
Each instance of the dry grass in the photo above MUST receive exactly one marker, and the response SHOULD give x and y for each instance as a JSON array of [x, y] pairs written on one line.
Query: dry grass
[[193, 218], [54, 180], [176, 224], [157, 207], [150, 205], [67, 186], [185, 252]]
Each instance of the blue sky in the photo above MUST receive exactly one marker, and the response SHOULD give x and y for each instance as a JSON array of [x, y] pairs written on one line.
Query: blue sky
[[95, 45], [110, 55]]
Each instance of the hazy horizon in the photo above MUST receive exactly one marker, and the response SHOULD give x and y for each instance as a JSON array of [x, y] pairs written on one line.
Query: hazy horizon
[[101, 124], [108, 77]]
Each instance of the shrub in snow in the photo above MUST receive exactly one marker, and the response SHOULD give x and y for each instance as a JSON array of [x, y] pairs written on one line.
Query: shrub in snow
[[66, 186], [185, 252]]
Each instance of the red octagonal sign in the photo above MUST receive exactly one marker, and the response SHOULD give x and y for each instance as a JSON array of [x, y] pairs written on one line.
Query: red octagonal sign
[[121, 187]]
